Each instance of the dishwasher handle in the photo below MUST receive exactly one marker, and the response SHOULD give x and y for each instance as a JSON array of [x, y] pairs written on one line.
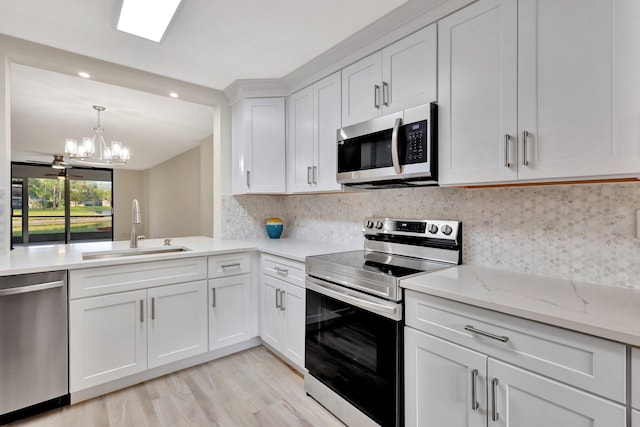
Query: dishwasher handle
[[31, 288]]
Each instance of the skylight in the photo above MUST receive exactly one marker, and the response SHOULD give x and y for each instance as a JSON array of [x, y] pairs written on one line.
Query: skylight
[[147, 18]]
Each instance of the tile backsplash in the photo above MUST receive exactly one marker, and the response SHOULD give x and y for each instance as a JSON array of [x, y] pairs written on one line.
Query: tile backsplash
[[580, 232]]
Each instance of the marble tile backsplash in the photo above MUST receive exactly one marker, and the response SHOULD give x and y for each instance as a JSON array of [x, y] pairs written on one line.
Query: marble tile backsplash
[[578, 232]]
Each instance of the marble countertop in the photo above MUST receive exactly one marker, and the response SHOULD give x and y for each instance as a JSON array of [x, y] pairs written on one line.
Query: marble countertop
[[33, 259], [604, 311]]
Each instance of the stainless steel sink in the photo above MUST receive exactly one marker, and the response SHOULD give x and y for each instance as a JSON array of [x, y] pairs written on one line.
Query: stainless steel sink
[[119, 253]]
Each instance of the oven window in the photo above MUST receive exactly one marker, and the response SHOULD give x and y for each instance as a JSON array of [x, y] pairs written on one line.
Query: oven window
[[357, 354], [365, 152]]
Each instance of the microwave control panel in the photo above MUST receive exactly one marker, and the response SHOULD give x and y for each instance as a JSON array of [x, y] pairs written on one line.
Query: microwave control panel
[[415, 142]]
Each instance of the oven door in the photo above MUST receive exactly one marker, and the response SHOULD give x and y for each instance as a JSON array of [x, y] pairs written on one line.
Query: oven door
[[353, 345]]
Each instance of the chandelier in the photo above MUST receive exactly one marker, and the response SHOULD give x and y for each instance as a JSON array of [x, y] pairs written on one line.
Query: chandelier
[[94, 150]]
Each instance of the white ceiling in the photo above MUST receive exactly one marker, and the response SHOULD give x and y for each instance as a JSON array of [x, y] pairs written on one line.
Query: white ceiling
[[210, 42], [47, 107]]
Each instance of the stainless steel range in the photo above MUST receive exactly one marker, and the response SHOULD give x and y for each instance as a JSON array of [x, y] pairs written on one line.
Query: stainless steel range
[[353, 340]]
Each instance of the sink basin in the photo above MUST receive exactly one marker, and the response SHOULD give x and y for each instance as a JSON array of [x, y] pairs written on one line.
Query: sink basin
[[120, 253]]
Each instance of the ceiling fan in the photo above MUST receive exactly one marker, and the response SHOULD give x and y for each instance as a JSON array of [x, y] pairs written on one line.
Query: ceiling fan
[[59, 163]]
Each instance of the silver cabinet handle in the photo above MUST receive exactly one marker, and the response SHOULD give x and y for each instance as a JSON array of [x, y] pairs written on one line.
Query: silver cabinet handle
[[385, 93], [213, 297], [507, 137], [277, 295], [141, 311], [501, 338], [31, 288], [525, 135], [283, 271], [235, 264], [395, 153], [153, 309], [474, 391], [376, 96], [282, 301], [309, 175], [248, 178], [315, 174], [494, 403]]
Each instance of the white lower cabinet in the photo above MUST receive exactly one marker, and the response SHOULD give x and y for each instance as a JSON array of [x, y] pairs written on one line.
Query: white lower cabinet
[[519, 398], [114, 336], [440, 379], [229, 310], [107, 337], [178, 322], [635, 418], [448, 384], [282, 309]]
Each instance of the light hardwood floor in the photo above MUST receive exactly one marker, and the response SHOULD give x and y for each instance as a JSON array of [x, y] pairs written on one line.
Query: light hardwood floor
[[251, 388]]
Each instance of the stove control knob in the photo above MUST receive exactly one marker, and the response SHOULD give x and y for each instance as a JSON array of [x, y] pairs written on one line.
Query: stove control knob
[[379, 225], [432, 228], [369, 224], [446, 230]]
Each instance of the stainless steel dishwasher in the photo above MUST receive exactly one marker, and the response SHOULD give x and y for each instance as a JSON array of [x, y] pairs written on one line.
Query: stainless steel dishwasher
[[34, 357]]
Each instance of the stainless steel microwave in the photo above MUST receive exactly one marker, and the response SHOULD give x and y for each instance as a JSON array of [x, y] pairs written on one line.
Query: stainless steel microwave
[[396, 150]]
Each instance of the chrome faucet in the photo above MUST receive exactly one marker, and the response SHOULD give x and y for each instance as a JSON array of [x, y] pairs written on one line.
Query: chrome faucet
[[136, 219]]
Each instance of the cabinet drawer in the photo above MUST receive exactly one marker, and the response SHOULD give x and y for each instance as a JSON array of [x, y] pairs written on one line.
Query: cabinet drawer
[[587, 362], [128, 277], [284, 269], [229, 265]]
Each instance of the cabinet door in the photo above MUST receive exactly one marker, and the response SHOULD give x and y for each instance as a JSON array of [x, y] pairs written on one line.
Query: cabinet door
[[271, 325], [477, 91], [327, 121], [567, 81], [409, 71], [301, 140], [524, 399], [440, 378], [263, 135], [635, 418], [107, 338], [293, 308], [362, 90], [229, 311], [177, 322]]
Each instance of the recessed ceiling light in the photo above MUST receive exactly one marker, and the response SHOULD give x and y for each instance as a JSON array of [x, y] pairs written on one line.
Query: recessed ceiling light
[[147, 18], [84, 74], [173, 94]]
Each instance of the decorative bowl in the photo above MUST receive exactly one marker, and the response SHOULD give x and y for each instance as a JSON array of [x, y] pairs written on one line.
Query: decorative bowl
[[274, 228]]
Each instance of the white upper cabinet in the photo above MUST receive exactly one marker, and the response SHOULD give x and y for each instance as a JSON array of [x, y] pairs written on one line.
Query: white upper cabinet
[[258, 141], [538, 90], [574, 83], [314, 118], [477, 107], [400, 76]]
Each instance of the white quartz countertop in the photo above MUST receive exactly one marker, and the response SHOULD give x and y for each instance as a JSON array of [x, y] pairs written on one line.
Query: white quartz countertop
[[33, 259], [605, 311]]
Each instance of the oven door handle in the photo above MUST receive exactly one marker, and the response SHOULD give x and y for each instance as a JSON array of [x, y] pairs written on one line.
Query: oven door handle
[[395, 153], [389, 309]]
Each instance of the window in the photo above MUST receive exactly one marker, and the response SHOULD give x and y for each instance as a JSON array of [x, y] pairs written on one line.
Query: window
[[60, 206]]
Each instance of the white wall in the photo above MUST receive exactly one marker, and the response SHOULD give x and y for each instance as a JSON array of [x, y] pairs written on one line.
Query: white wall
[[578, 232], [127, 185], [173, 206]]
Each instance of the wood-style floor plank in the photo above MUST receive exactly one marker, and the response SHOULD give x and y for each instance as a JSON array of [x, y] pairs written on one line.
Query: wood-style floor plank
[[252, 388]]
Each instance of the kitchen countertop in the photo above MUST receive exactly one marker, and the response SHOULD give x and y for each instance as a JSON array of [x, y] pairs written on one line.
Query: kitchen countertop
[[604, 311], [33, 259]]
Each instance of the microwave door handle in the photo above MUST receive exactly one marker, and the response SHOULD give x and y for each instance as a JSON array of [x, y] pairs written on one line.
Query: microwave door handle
[[395, 154]]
